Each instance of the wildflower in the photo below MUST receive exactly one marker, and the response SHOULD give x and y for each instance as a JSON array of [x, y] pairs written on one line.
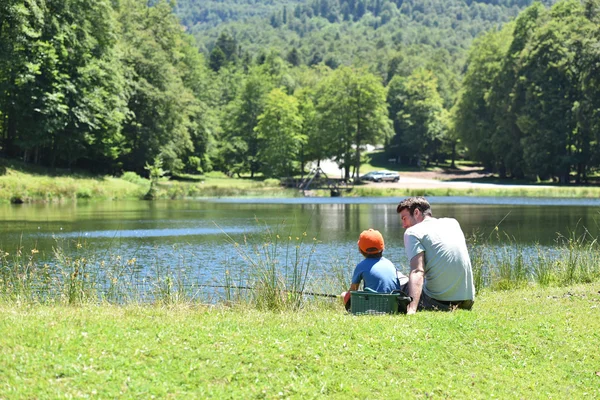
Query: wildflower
[[34, 251], [79, 245], [303, 233]]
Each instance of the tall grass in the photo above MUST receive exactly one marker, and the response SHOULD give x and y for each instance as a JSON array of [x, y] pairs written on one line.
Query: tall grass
[[279, 265], [571, 260], [274, 269]]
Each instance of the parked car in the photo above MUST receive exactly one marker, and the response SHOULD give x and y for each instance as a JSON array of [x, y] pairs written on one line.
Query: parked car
[[381, 176], [389, 176], [370, 176]]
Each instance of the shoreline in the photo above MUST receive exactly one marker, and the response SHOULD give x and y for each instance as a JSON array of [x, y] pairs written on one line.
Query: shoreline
[[18, 187]]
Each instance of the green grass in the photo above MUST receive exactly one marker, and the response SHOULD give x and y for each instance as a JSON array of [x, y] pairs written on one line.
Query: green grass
[[540, 343], [19, 187], [532, 191], [23, 183]]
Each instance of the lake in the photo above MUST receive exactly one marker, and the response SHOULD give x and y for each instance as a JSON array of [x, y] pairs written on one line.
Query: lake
[[197, 235]]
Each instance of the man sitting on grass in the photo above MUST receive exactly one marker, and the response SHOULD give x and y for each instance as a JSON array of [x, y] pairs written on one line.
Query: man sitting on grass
[[441, 277], [377, 272]]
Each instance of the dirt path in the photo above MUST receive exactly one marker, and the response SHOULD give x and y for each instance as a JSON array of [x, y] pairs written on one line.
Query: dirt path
[[439, 179], [457, 178]]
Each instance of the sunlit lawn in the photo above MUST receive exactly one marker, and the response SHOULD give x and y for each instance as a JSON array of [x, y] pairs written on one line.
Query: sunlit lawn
[[539, 343]]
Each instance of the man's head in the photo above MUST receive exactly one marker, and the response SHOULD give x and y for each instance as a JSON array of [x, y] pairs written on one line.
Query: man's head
[[413, 210], [370, 243]]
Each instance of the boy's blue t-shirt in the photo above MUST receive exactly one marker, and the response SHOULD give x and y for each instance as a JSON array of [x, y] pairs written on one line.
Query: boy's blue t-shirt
[[379, 275]]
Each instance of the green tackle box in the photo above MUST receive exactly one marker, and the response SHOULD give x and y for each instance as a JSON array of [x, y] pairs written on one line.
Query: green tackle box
[[373, 303]]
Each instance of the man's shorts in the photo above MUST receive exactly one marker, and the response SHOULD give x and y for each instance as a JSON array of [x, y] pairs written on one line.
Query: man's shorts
[[431, 304]]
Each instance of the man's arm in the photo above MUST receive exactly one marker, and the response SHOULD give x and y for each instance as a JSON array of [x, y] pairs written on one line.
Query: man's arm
[[415, 281]]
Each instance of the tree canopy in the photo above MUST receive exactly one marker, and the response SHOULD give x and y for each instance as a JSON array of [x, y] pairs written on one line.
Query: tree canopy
[[262, 88]]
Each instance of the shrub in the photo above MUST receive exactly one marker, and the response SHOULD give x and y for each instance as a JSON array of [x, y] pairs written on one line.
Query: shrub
[[271, 182], [134, 178], [84, 193]]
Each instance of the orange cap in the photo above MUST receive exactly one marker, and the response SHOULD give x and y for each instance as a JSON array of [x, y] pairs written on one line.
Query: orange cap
[[371, 242]]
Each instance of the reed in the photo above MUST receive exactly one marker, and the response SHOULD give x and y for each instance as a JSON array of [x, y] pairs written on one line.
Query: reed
[[280, 264], [579, 262], [478, 252], [273, 269]]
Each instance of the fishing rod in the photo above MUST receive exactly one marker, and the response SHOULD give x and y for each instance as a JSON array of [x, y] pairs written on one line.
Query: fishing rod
[[289, 291]]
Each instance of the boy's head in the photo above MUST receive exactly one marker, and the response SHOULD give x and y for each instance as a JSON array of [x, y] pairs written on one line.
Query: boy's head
[[370, 243]]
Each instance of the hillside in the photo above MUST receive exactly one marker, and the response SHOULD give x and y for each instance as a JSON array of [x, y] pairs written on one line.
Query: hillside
[[338, 32]]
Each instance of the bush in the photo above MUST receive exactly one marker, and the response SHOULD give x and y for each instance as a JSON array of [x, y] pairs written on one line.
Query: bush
[[270, 182], [84, 193], [132, 177]]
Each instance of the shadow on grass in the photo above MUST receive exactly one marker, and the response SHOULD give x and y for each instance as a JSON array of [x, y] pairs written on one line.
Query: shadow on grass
[[37, 170]]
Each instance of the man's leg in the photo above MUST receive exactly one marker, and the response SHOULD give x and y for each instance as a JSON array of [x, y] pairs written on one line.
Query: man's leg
[[465, 305], [431, 304], [427, 303]]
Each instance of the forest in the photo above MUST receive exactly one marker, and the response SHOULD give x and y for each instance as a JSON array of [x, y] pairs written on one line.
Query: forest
[[260, 88]]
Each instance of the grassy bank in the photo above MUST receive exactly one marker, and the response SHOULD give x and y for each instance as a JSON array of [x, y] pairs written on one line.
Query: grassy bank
[[23, 187], [500, 191], [22, 183], [528, 343]]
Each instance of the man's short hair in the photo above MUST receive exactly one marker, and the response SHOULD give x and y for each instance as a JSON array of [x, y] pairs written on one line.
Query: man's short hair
[[413, 203]]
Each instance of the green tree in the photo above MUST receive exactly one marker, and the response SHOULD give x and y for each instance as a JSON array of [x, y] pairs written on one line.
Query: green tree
[[508, 96], [162, 108], [474, 117], [420, 119], [553, 122], [280, 130], [240, 142], [62, 97], [352, 113], [20, 30]]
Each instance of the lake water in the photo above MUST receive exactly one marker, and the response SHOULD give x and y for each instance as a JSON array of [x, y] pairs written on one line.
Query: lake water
[[197, 234]]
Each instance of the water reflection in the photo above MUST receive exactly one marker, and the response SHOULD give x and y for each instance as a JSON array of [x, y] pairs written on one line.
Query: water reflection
[[149, 233]]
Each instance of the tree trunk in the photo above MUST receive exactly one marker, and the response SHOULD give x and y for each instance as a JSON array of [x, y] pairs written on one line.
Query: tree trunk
[[452, 164], [11, 132]]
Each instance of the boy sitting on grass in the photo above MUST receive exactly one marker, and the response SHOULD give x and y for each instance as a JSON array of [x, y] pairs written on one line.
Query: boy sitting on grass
[[377, 272]]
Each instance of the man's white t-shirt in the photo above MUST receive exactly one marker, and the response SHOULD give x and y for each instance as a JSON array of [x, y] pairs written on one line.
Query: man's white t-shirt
[[448, 273]]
